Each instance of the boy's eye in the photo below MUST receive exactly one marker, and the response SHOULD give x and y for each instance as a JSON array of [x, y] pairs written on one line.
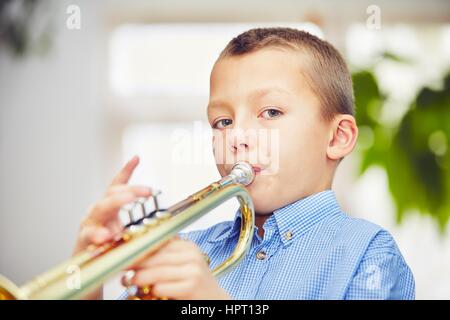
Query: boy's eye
[[222, 123], [271, 113]]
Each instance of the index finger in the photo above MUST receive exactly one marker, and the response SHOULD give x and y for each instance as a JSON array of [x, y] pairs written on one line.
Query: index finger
[[125, 173]]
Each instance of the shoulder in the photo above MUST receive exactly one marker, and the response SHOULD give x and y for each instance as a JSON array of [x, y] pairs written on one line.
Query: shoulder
[[373, 239], [382, 272], [361, 240], [353, 226], [382, 243], [378, 240], [346, 231], [376, 267]]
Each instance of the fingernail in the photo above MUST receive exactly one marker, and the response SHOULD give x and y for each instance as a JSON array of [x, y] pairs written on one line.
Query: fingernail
[[133, 158]]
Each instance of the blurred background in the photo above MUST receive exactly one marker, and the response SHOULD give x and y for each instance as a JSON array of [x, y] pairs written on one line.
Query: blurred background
[[85, 85]]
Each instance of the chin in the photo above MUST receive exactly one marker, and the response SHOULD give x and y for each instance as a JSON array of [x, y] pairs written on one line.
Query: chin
[[263, 209], [262, 200]]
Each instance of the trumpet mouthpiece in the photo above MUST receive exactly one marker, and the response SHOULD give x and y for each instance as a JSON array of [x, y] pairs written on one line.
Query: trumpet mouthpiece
[[243, 173]]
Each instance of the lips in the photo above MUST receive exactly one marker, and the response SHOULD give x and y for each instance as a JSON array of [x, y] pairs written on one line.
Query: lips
[[256, 169]]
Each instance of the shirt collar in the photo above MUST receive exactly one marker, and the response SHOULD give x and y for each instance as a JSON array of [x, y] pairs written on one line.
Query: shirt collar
[[219, 235], [297, 218], [292, 220]]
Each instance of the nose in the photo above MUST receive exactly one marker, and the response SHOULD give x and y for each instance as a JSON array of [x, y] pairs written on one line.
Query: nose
[[239, 140], [240, 147]]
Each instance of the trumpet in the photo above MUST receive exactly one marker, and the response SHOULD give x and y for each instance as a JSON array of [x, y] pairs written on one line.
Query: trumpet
[[95, 265]]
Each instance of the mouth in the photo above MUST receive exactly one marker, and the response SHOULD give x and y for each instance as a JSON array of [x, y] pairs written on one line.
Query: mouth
[[256, 169]]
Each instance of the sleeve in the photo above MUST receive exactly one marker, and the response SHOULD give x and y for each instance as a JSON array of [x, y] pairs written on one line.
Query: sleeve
[[382, 273]]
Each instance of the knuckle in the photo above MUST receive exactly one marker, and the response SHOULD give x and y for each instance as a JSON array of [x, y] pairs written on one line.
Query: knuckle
[[113, 189]]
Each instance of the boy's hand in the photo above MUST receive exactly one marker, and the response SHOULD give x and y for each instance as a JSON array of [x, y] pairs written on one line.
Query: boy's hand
[[178, 270], [102, 221]]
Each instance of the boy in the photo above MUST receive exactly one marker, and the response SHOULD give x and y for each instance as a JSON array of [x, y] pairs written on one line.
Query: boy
[[304, 246]]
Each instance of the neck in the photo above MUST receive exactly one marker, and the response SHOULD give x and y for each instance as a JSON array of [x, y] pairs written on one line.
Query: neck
[[259, 222]]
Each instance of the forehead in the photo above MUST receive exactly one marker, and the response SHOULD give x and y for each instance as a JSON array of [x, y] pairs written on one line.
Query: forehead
[[274, 70]]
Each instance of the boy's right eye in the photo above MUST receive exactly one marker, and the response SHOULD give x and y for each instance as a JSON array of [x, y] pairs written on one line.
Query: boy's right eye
[[222, 123]]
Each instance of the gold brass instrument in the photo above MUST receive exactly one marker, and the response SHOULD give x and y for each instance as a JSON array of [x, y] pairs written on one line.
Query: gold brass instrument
[[97, 264]]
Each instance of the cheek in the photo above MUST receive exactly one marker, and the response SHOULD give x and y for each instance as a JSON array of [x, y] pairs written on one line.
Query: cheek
[[219, 158], [263, 191], [302, 147], [219, 148], [221, 169]]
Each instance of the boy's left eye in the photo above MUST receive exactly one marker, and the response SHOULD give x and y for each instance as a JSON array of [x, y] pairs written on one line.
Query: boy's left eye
[[271, 113]]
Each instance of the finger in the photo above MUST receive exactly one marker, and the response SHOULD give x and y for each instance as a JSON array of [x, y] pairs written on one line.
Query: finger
[[173, 289], [173, 253], [125, 173], [107, 209], [115, 225], [140, 191], [166, 273], [162, 258], [160, 250], [92, 234], [176, 244]]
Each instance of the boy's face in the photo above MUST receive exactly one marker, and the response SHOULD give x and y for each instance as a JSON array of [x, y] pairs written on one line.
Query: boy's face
[[263, 111]]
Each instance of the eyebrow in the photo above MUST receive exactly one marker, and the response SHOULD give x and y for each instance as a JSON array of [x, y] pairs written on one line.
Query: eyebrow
[[258, 93], [265, 91], [216, 103]]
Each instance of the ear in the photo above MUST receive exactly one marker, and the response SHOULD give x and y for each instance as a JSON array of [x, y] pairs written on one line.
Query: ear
[[343, 136]]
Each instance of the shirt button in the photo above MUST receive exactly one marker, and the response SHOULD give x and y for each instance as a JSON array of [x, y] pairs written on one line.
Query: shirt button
[[261, 255], [288, 235]]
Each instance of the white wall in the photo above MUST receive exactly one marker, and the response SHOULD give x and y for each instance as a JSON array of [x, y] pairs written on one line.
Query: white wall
[[50, 147], [59, 144]]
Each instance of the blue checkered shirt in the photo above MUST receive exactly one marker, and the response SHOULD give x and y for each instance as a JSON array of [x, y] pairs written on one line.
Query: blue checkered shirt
[[310, 250]]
